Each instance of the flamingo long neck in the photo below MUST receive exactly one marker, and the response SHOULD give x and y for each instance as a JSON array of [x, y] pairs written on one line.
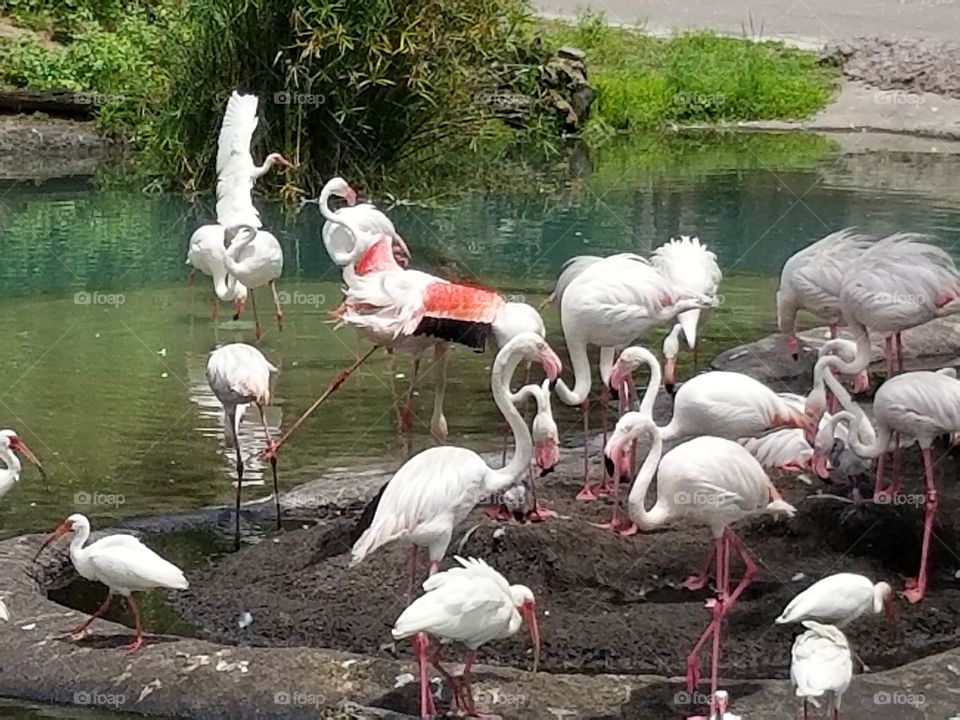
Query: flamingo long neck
[[857, 422], [503, 371], [861, 360], [581, 374], [653, 384], [659, 513], [356, 252], [223, 286], [244, 237]]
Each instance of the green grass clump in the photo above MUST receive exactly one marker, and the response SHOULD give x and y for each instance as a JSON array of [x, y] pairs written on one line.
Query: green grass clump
[[646, 82]]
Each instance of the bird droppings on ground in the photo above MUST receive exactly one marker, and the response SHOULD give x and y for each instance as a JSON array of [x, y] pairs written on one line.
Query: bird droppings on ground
[[608, 604]]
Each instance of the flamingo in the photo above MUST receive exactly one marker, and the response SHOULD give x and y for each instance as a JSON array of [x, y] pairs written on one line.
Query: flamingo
[[122, 563], [705, 481], [350, 231], [899, 283], [821, 664], [919, 405], [839, 600], [239, 374], [687, 264], [471, 604], [206, 254], [10, 445], [437, 488], [812, 279], [610, 303], [255, 258]]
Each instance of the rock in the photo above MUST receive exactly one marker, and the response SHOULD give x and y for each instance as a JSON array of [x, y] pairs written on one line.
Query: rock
[[572, 53]]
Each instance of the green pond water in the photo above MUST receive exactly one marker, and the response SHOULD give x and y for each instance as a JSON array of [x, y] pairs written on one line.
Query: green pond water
[[102, 365]]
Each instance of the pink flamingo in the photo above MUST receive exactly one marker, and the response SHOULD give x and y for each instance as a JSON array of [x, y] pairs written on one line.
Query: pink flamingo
[[705, 481]]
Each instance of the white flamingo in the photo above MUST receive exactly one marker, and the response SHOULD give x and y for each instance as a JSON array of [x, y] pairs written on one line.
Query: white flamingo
[[437, 488], [207, 254], [611, 303], [812, 279], [687, 264], [839, 600], [239, 375], [253, 256], [821, 664], [919, 406], [899, 283], [472, 604], [122, 563], [10, 445], [705, 481]]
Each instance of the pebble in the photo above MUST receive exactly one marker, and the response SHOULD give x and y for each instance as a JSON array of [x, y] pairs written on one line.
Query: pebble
[[245, 621], [798, 577]]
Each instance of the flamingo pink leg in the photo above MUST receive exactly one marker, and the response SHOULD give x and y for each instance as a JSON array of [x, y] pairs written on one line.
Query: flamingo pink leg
[[138, 640], [97, 613], [608, 483], [617, 524], [191, 277], [539, 512], [412, 590], [833, 330], [215, 313], [699, 580], [693, 658], [878, 492], [917, 587], [420, 645], [276, 301], [888, 356], [899, 353], [586, 493], [256, 318], [895, 484]]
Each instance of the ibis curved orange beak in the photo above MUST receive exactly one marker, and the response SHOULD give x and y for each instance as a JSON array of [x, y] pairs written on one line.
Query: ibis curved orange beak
[[20, 446], [528, 611], [62, 529]]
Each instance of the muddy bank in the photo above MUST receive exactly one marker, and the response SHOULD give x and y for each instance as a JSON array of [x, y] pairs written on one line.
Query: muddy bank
[[38, 147], [914, 64], [931, 346]]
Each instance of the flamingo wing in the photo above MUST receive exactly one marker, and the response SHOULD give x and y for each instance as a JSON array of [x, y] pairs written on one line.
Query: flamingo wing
[[235, 164]]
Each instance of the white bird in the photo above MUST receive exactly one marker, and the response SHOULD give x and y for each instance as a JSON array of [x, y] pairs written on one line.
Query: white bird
[[472, 604], [687, 264], [899, 283], [705, 481], [821, 664], [10, 445], [4, 613], [349, 232], [239, 374], [917, 407], [436, 489], [611, 303], [207, 254], [839, 600], [812, 278], [122, 563], [253, 257]]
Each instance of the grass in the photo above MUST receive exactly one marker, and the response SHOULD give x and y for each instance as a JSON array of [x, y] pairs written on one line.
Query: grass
[[646, 82]]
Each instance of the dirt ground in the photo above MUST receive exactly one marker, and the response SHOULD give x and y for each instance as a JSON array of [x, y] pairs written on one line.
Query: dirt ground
[[607, 604]]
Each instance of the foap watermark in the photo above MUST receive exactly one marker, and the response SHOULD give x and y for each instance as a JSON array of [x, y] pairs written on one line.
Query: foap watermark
[[98, 498], [96, 297], [285, 97], [495, 696], [901, 499], [503, 100], [691, 698], [901, 298], [698, 498], [515, 298], [699, 99], [897, 97], [296, 698], [99, 99], [97, 698], [299, 298], [899, 697]]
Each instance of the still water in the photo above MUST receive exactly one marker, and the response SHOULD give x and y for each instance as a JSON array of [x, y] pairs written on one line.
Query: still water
[[102, 367]]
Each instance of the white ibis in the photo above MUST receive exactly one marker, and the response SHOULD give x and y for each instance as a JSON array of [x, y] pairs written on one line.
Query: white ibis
[[122, 563], [821, 664], [839, 600], [472, 604], [10, 445]]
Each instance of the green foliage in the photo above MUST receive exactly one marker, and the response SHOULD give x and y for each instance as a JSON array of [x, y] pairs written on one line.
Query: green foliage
[[647, 82], [353, 87]]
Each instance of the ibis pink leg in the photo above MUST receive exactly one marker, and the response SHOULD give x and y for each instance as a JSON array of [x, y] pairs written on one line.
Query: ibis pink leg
[[138, 640], [97, 613], [587, 493], [917, 587], [468, 687], [456, 691], [420, 646]]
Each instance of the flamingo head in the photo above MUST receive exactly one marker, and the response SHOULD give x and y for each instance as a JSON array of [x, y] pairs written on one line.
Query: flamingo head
[[69, 525], [861, 381], [820, 464], [671, 348], [526, 605], [278, 159], [545, 435], [813, 409], [616, 452], [539, 350], [628, 361], [11, 441], [793, 346]]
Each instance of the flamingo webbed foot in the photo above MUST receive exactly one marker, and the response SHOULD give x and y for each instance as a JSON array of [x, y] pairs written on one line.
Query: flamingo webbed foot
[[587, 494]]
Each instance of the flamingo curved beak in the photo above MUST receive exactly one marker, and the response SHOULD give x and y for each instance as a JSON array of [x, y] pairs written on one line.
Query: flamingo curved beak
[[669, 374], [61, 530], [547, 455], [618, 376], [551, 363], [21, 447], [818, 463], [528, 611], [861, 381], [613, 454]]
